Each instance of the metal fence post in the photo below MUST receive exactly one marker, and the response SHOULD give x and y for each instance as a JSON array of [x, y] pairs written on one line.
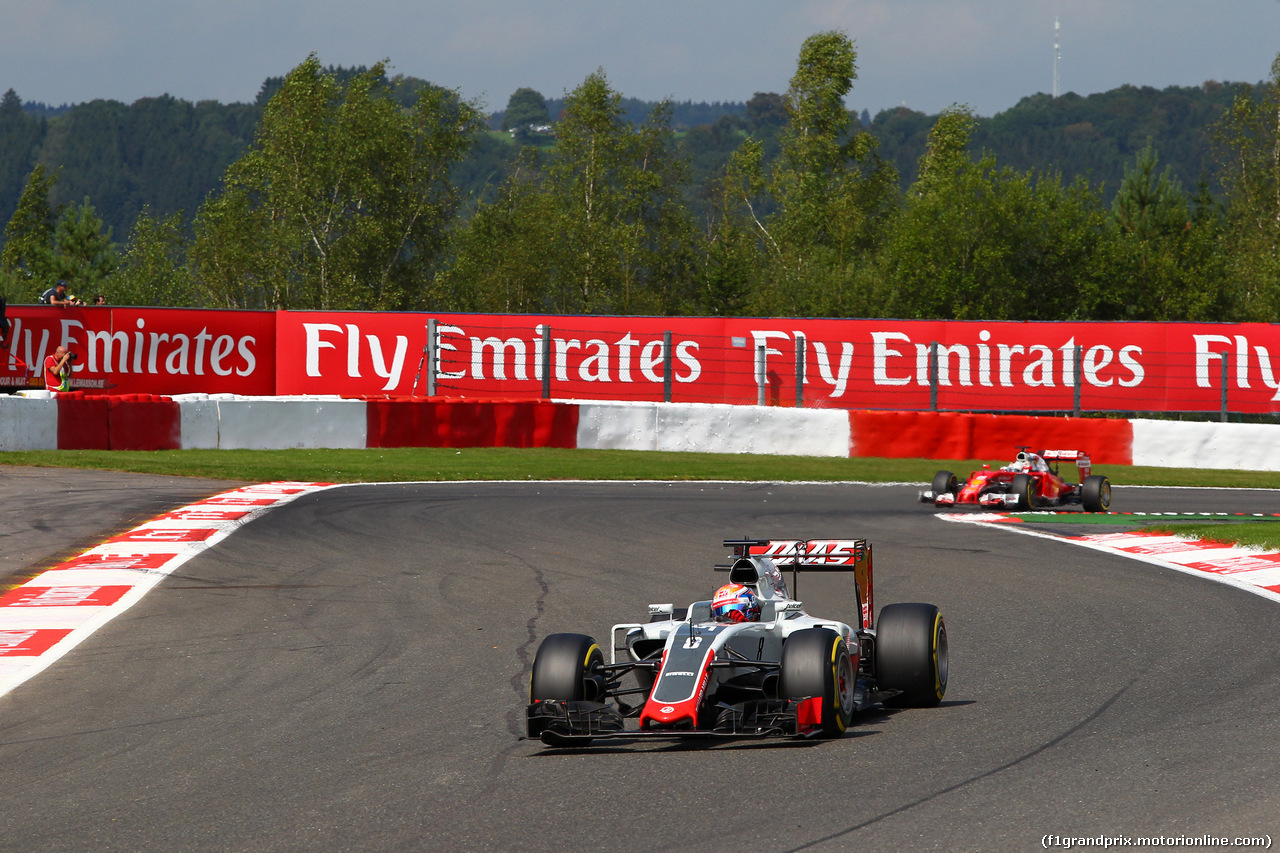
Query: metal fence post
[[432, 354], [801, 351], [546, 361], [1223, 359], [666, 366], [1077, 357], [933, 376], [760, 397]]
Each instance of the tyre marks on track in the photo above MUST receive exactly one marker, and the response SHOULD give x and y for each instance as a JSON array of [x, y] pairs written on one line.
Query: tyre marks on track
[[58, 609]]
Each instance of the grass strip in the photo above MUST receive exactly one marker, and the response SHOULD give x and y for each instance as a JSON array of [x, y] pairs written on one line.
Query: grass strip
[[504, 463]]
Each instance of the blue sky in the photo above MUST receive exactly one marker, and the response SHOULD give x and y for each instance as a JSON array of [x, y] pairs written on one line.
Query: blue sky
[[926, 54]]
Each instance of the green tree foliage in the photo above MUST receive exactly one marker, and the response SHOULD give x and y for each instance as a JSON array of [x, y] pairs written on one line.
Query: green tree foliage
[[20, 137], [597, 228], [830, 192], [26, 264], [505, 256], [1249, 139], [525, 107], [153, 269], [976, 241], [83, 255], [343, 200], [1161, 260], [161, 153]]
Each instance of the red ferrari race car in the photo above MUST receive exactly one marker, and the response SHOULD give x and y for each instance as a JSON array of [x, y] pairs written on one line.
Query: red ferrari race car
[[1031, 481]]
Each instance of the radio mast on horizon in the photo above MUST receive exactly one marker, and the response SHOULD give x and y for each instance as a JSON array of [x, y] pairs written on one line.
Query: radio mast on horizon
[[1057, 56]]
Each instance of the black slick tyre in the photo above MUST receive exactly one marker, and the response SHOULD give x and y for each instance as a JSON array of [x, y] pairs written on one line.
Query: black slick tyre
[[568, 667], [911, 654], [944, 482], [1024, 486], [816, 663], [1095, 494]]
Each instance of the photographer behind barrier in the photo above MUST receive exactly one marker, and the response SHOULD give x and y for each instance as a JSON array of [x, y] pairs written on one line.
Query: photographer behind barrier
[[57, 370], [57, 295]]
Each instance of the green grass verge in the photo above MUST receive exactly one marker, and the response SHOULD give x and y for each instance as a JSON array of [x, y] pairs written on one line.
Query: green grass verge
[[501, 463]]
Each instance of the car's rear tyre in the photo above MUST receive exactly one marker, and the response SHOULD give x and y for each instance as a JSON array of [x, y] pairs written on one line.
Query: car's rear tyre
[[1095, 494], [816, 663], [1024, 486], [568, 667], [911, 654], [944, 482]]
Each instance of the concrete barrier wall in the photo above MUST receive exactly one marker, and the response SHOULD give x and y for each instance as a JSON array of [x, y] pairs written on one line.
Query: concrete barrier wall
[[37, 421], [1182, 444], [28, 423], [711, 428], [275, 423]]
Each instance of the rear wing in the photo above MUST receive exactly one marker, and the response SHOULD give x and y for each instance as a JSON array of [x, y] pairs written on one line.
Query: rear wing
[[811, 555], [1079, 457]]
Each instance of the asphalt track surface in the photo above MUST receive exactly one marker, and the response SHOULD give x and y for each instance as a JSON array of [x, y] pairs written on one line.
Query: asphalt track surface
[[349, 672]]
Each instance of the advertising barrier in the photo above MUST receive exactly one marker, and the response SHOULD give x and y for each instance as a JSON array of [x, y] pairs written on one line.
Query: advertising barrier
[[144, 350], [898, 365]]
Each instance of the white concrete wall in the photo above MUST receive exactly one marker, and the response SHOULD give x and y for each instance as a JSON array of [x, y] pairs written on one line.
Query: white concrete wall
[[198, 415], [1194, 444], [712, 428], [278, 423], [28, 422]]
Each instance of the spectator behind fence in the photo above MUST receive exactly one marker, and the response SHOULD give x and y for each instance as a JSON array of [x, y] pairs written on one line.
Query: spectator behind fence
[[57, 295]]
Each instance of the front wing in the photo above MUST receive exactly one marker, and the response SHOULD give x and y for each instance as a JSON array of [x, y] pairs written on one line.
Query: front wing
[[568, 723]]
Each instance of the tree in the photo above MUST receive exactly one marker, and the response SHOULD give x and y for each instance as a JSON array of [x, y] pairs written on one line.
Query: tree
[[83, 254], [20, 138], [599, 226], [153, 270], [1148, 204], [976, 241], [1159, 259], [26, 264], [525, 107], [829, 193], [766, 109], [1248, 136], [342, 202]]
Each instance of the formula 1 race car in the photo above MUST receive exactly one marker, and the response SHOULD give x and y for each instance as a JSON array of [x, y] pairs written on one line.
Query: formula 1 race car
[[748, 663], [1031, 481]]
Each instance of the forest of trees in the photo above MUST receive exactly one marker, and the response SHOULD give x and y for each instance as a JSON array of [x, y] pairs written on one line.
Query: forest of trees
[[348, 189]]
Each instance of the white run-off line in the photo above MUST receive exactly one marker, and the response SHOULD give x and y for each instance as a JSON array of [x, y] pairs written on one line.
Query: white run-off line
[[58, 609], [1250, 569]]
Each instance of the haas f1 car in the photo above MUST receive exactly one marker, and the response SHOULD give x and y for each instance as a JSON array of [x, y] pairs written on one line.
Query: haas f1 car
[[748, 663], [1031, 481]]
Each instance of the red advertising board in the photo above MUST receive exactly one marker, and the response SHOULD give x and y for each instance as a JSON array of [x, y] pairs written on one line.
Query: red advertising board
[[144, 350], [858, 364], [855, 364]]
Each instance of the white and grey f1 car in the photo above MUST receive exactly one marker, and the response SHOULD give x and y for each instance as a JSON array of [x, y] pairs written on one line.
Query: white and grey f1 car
[[776, 672]]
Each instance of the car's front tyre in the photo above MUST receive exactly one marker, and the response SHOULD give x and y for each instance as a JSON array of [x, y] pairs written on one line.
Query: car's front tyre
[[1024, 486], [1095, 494], [816, 665], [568, 667]]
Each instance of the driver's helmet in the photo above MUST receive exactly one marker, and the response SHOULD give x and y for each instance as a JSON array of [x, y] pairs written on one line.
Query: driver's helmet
[[733, 602], [1020, 463]]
